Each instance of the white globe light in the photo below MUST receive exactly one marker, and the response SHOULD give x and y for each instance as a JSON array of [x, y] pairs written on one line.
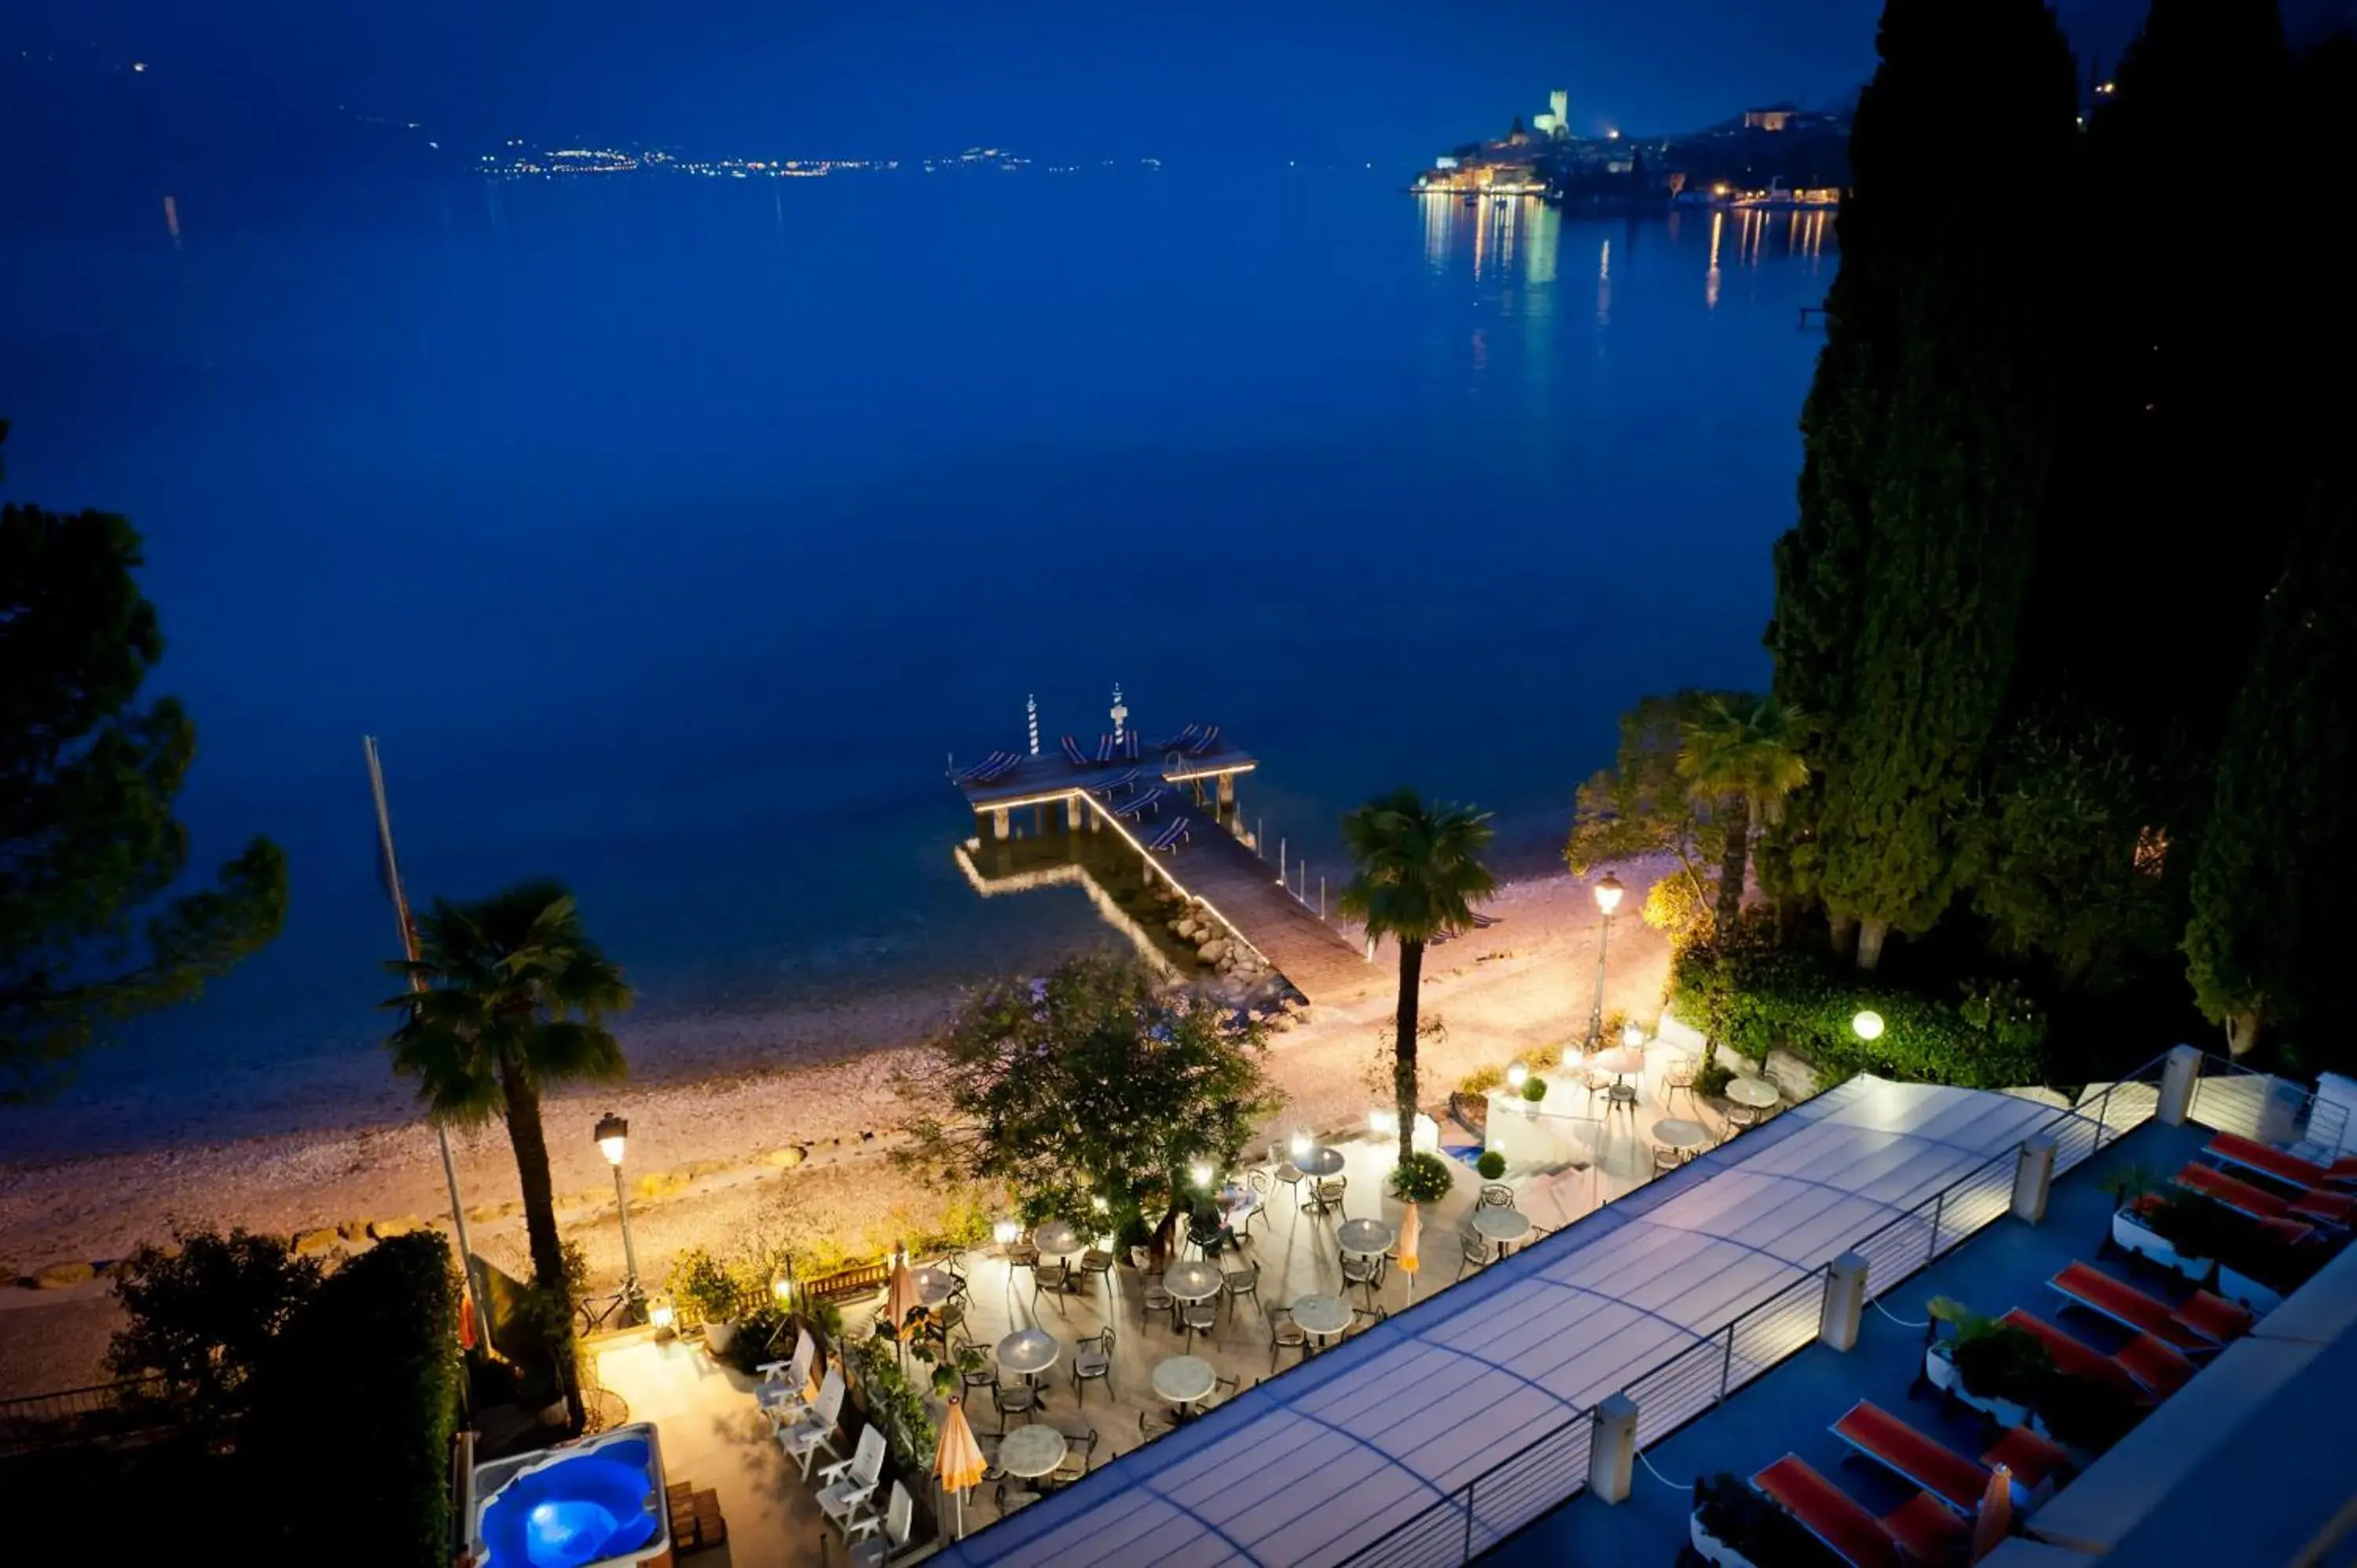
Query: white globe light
[[1869, 1024], [1517, 1075]]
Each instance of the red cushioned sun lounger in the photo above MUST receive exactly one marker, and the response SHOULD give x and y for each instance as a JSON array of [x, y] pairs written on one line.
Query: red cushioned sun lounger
[[2076, 1358], [1827, 1513], [2038, 1462], [2128, 1306], [2252, 1155], [2154, 1365], [1927, 1530], [2332, 1208], [2214, 1317], [1898, 1447]]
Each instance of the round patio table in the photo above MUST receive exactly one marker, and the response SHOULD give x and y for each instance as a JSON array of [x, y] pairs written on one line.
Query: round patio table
[[1030, 1351], [1501, 1226], [1322, 1315], [1193, 1281], [1755, 1092], [1183, 1380], [934, 1285], [1364, 1238], [1321, 1161], [1030, 1451], [1676, 1133], [1056, 1240]]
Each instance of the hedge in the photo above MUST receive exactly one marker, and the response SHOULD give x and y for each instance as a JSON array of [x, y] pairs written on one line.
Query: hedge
[[1753, 999], [354, 1411]]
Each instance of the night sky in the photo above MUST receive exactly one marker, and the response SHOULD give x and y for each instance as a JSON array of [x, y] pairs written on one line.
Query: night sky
[[1387, 82]]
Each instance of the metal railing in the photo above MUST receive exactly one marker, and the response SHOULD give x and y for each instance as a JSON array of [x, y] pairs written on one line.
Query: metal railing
[[2231, 1098], [99, 1413], [1516, 1490]]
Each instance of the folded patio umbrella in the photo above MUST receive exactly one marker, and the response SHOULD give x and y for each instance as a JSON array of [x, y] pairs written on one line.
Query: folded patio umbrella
[[1411, 1232], [900, 1295], [1993, 1522], [957, 1461]]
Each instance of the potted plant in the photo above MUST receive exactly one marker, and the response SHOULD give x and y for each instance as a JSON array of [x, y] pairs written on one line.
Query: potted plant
[[2195, 1226], [1991, 1366], [703, 1285], [1422, 1178], [1734, 1527], [2131, 1190], [2258, 1267], [1535, 1088], [1492, 1165]]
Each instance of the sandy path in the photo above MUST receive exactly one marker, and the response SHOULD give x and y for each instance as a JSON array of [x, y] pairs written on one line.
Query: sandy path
[[1527, 981]]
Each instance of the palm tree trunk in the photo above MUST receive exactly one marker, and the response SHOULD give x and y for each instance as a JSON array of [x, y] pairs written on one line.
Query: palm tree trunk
[[1871, 929], [2242, 1031], [540, 1221], [1731, 864], [1839, 929], [1404, 1059]]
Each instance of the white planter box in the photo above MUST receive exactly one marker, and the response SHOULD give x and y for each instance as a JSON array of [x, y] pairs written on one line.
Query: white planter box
[[717, 1336], [1942, 1375], [1710, 1548], [2132, 1236], [2250, 1292]]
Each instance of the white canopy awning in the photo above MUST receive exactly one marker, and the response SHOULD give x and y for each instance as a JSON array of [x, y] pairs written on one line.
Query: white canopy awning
[[1309, 1467]]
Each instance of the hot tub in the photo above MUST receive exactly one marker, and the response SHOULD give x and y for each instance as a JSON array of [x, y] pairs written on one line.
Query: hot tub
[[594, 1503]]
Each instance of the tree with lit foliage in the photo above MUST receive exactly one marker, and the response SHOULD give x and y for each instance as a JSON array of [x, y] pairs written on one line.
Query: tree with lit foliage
[[1419, 872], [1097, 1084], [91, 931], [1741, 758]]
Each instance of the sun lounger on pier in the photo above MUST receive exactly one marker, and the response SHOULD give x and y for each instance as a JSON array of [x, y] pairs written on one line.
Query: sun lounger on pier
[[1172, 837], [1912, 1456], [1129, 748], [1927, 1531], [1123, 782], [1180, 741], [1074, 754], [1106, 746], [2202, 1324], [2331, 1208], [998, 770], [1151, 799], [1825, 1511], [1207, 741], [977, 773]]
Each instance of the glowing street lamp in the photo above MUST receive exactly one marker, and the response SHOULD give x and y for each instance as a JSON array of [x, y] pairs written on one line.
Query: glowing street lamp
[[1200, 1174], [1867, 1024], [612, 1135], [1517, 1075], [1608, 899], [1300, 1147], [1005, 1233]]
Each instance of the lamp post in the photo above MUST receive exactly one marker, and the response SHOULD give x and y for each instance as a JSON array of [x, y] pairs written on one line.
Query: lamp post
[[612, 1134], [1608, 899]]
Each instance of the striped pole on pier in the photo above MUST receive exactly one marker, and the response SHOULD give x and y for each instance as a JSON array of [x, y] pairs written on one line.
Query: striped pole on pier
[[1031, 705]]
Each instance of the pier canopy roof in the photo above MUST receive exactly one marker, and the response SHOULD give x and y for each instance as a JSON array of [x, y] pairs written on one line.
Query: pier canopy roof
[[1307, 1468]]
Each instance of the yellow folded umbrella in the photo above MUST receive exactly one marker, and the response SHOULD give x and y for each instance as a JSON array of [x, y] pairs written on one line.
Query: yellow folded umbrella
[[957, 1460], [1994, 1522], [1411, 1232]]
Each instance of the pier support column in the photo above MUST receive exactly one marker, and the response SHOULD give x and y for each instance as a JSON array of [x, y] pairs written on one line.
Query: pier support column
[[1612, 1448], [998, 825], [1076, 811], [2177, 1077], [2033, 1179], [1227, 789], [1845, 1302]]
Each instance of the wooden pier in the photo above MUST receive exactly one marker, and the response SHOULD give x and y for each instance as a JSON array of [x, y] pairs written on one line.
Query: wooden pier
[[1076, 820]]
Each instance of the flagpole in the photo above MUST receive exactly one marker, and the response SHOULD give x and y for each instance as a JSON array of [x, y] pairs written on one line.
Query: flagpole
[[417, 982]]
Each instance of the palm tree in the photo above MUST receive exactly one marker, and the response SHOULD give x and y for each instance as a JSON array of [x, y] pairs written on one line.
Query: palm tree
[[510, 998], [1741, 757], [1419, 873]]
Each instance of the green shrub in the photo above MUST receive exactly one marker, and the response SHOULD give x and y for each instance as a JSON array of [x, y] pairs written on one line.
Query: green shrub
[[2086, 1412], [203, 1317], [1757, 998], [1535, 1090], [2197, 1224], [1422, 1178], [1481, 1080], [354, 1409], [894, 1403], [1712, 1078], [1734, 1513], [1996, 1359], [1492, 1165], [703, 1287]]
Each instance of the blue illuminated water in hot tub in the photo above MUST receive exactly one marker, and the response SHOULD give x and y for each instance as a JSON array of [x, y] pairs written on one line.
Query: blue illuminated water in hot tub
[[590, 1505]]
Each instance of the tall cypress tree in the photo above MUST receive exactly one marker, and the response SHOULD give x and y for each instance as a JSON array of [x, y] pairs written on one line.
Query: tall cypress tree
[[2267, 941], [1929, 438]]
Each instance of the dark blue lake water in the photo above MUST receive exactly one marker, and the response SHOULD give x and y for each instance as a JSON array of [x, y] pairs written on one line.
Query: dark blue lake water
[[669, 534]]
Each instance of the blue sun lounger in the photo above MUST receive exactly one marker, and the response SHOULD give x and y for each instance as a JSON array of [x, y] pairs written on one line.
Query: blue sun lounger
[[980, 771], [1106, 748], [1171, 837], [1074, 755], [1152, 799], [993, 772], [1123, 782], [1207, 741], [1180, 741]]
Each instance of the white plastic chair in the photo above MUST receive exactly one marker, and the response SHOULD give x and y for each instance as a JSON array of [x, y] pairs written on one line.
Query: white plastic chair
[[780, 1392], [872, 1549], [844, 1488], [815, 1430]]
